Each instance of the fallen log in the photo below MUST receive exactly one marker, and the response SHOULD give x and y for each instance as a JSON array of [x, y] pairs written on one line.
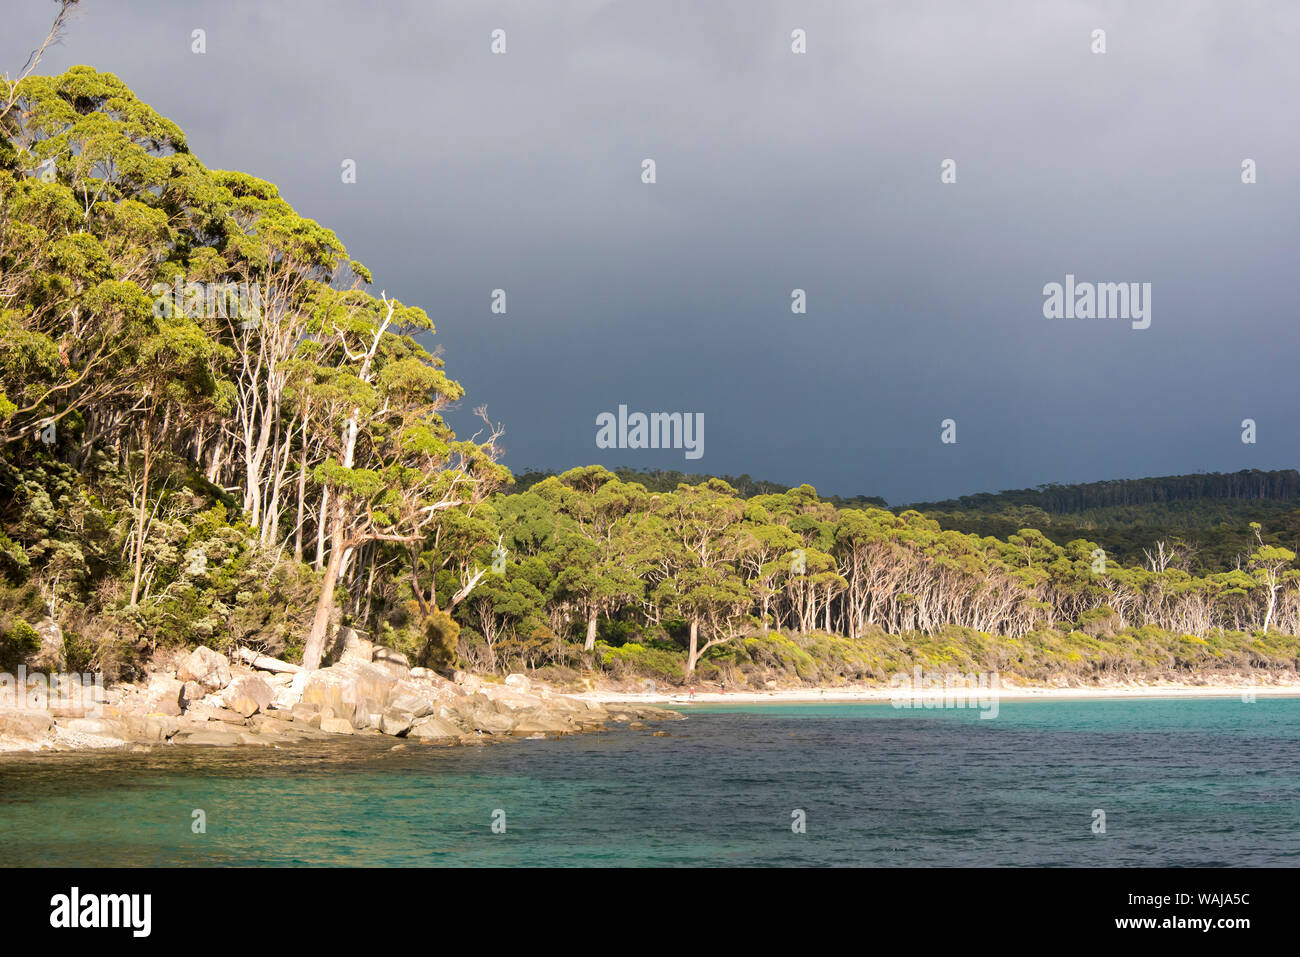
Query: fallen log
[[265, 662]]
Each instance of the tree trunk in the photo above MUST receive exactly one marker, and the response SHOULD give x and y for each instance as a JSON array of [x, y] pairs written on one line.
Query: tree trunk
[[591, 632], [320, 527], [140, 520], [315, 647], [693, 655], [302, 495]]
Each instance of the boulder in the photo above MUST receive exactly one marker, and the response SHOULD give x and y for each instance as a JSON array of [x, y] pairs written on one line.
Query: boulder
[[355, 648], [272, 724], [336, 725], [543, 722], [507, 699], [388, 656], [331, 688], [435, 729], [25, 725], [470, 683], [164, 695], [149, 728], [519, 682], [49, 656], [348, 686], [226, 716], [369, 714], [290, 695], [414, 705], [209, 668], [191, 693], [395, 723], [248, 695], [478, 713]]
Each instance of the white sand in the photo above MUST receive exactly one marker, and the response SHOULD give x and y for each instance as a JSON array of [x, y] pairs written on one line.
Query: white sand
[[1004, 692]]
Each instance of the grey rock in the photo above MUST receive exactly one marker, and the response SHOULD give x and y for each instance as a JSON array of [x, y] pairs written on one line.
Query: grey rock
[[414, 705], [336, 726], [248, 695], [435, 729], [205, 666], [395, 723], [50, 655]]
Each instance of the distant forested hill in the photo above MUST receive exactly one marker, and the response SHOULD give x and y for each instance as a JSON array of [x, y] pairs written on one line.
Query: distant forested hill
[[1210, 513], [1249, 485]]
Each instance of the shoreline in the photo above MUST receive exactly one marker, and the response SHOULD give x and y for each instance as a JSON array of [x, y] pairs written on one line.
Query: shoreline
[[883, 694], [204, 699]]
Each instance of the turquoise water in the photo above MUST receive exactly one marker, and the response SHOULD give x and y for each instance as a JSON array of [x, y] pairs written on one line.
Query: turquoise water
[[1182, 782]]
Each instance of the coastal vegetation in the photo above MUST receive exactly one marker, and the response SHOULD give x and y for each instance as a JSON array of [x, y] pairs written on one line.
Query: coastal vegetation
[[216, 429]]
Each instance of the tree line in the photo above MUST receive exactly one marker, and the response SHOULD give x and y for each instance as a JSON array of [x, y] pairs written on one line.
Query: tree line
[[178, 464]]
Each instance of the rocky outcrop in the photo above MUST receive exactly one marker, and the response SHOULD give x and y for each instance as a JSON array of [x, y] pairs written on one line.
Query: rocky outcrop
[[201, 698]]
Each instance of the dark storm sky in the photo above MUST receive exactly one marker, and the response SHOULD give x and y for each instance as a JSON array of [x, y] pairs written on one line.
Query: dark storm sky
[[778, 171]]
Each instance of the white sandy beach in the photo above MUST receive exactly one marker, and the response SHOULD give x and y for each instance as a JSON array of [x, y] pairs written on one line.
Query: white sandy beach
[[1005, 691]]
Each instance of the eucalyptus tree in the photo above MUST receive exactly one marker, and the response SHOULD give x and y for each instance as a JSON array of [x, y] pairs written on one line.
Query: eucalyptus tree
[[703, 524], [393, 462], [1269, 563]]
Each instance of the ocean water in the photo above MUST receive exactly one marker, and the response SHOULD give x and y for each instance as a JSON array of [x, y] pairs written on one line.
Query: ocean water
[[1182, 782]]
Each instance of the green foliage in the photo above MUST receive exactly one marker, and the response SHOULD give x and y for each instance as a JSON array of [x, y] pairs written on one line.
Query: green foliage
[[18, 641], [636, 660], [441, 634]]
